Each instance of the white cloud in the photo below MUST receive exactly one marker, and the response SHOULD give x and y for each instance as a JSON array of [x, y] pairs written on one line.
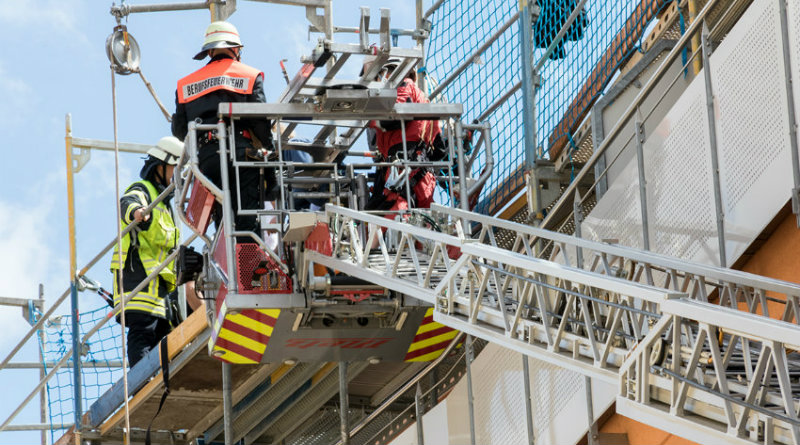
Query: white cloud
[[17, 94], [34, 245], [50, 17], [300, 44], [25, 258]]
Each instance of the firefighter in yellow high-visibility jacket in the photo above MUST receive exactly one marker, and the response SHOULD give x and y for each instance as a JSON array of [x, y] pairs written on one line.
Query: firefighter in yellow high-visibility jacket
[[145, 248]]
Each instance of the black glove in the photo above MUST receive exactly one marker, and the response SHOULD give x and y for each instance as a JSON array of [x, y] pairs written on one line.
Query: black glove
[[190, 264]]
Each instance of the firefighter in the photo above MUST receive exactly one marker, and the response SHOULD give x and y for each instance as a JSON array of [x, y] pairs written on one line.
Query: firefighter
[[389, 192], [144, 249], [225, 79]]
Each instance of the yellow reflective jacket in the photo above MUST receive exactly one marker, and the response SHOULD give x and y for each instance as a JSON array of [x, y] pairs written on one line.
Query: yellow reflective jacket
[[152, 246]]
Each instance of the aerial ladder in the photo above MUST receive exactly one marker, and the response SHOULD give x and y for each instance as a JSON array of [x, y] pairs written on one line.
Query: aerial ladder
[[684, 342]]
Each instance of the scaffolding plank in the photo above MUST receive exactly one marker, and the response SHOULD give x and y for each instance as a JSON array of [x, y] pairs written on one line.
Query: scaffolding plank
[[177, 340], [113, 398]]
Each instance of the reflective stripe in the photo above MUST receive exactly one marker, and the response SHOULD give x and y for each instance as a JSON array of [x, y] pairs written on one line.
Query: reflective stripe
[[140, 196], [149, 299], [156, 242], [154, 245], [146, 300], [128, 213], [156, 311]]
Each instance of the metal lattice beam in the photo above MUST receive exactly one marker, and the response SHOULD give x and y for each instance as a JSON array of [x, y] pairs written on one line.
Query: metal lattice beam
[[606, 311]]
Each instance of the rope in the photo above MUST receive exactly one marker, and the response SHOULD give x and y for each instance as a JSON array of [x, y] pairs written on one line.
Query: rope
[[155, 96], [126, 434]]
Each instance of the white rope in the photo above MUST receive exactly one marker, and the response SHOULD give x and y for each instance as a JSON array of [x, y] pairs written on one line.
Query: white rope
[[120, 289]]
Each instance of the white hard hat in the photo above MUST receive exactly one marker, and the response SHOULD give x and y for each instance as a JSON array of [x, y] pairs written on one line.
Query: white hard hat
[[392, 63], [219, 35], [169, 149]]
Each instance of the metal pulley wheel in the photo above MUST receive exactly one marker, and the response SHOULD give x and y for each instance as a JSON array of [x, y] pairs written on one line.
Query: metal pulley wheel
[[659, 352], [123, 51]]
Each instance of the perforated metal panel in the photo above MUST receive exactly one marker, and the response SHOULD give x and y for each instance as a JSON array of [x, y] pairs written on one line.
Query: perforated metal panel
[[752, 134], [794, 33], [680, 190], [794, 42], [248, 257], [499, 401], [755, 158], [499, 398], [753, 146], [617, 215], [551, 386]]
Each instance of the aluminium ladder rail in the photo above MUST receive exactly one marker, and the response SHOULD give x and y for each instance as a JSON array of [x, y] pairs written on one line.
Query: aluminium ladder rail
[[304, 87], [606, 311]]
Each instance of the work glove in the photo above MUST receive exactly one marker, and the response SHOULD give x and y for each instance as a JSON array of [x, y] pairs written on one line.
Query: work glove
[[190, 264]]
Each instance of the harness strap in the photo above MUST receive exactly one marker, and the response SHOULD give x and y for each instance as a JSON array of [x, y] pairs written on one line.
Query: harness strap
[[164, 353]]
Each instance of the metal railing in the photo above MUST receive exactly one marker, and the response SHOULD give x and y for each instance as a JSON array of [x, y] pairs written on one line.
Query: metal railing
[[569, 198], [5, 364]]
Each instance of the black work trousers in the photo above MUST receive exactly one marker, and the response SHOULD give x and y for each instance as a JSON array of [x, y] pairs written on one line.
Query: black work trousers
[[249, 185], [144, 333]]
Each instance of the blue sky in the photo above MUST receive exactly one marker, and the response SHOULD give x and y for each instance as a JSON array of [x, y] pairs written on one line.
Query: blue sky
[[53, 62]]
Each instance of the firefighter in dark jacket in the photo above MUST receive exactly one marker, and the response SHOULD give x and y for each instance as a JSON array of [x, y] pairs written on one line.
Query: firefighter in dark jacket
[[145, 248], [198, 95]]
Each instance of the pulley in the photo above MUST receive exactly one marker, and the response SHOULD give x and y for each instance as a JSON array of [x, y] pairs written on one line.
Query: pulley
[[123, 51]]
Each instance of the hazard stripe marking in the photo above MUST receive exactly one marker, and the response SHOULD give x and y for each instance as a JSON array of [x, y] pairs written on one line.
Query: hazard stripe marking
[[238, 349], [232, 357], [432, 341], [429, 327], [260, 317], [250, 323], [243, 341], [441, 329], [244, 336], [274, 313], [432, 348], [429, 341], [260, 337]]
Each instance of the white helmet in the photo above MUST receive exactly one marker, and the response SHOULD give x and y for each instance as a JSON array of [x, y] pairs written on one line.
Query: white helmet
[[168, 150], [391, 64], [219, 35]]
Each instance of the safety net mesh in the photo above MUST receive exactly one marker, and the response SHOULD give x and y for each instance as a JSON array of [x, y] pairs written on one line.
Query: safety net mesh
[[572, 76], [100, 363]]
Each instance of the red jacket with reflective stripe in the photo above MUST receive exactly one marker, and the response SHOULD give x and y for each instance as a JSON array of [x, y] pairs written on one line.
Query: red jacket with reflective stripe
[[223, 74], [416, 130]]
